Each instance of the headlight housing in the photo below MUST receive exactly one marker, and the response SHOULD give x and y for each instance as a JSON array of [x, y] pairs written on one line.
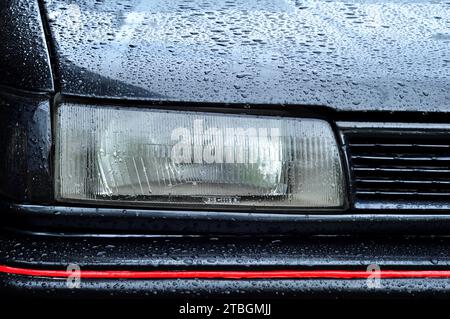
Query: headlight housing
[[152, 157]]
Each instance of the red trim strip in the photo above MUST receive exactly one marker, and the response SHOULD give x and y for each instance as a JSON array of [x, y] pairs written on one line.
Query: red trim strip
[[228, 274]]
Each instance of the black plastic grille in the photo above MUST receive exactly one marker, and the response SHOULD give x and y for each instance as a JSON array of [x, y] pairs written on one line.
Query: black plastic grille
[[399, 166]]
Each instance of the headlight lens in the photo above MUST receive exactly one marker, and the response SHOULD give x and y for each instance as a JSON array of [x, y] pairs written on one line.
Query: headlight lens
[[158, 157]]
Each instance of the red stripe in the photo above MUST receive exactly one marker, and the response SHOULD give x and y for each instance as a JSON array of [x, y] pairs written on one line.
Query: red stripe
[[228, 274]]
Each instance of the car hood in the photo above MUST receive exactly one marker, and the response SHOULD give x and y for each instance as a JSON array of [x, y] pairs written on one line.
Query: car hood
[[347, 55]]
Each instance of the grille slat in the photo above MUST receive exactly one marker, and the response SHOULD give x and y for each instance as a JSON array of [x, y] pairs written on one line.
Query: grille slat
[[399, 166], [387, 185], [404, 193], [405, 169], [400, 158]]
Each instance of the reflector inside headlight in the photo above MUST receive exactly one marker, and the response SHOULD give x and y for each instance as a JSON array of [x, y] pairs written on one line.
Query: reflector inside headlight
[[156, 157]]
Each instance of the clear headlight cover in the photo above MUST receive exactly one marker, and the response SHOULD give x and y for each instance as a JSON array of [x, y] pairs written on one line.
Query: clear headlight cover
[[154, 158]]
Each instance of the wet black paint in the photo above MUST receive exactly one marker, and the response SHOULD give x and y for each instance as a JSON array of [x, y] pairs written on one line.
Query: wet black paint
[[352, 55]]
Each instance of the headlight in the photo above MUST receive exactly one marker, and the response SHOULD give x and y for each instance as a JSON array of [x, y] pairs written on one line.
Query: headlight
[[158, 157]]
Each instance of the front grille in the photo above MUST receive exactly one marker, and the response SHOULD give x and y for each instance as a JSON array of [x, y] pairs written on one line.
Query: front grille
[[399, 166]]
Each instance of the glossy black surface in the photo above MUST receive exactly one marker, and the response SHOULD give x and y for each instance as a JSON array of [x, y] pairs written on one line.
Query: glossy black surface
[[25, 148], [219, 252], [347, 55], [357, 55], [248, 289], [249, 253], [24, 58], [140, 222]]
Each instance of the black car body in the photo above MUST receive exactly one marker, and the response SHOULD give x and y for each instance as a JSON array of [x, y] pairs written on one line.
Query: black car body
[[377, 71]]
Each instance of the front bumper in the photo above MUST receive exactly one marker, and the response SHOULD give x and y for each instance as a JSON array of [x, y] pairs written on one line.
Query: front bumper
[[224, 253]]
